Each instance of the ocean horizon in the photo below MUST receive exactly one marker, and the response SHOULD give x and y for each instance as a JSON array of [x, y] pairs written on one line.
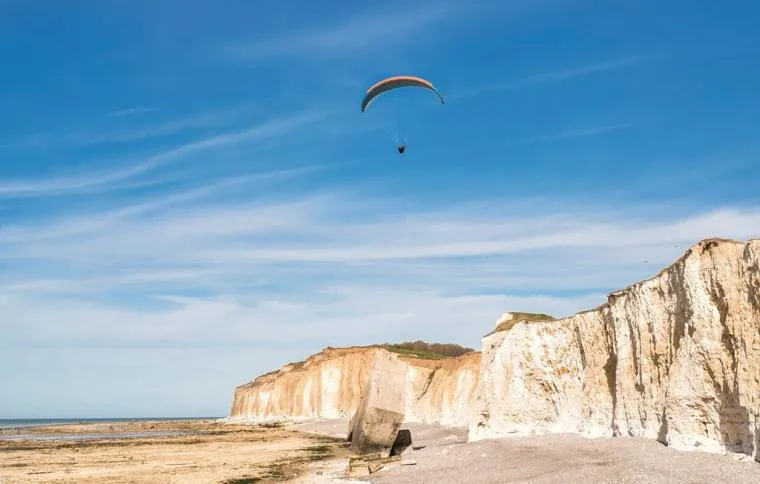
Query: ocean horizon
[[38, 422]]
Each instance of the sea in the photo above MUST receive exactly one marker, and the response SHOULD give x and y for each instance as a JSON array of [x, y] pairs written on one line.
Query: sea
[[39, 422], [13, 429]]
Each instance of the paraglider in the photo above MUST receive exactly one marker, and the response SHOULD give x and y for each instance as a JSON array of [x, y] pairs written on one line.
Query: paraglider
[[396, 82]]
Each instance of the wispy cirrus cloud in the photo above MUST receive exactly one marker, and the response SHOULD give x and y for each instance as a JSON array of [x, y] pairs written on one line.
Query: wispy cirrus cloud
[[577, 133], [313, 232], [81, 138], [265, 130], [198, 121], [461, 239], [95, 221], [580, 71], [359, 33], [133, 111], [560, 75]]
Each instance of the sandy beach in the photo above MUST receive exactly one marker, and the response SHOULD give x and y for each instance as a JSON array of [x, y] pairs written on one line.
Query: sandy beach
[[210, 451], [191, 451]]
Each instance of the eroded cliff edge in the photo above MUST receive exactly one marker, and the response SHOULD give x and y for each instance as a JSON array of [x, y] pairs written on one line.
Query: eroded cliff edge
[[329, 384], [674, 358]]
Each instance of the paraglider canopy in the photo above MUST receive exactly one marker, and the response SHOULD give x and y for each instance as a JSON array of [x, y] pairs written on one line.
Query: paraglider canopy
[[396, 82]]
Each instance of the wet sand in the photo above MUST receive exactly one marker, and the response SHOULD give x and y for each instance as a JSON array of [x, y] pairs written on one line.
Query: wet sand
[[205, 451]]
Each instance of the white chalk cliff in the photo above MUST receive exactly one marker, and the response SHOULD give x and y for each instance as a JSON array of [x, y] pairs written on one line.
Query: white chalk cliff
[[674, 358], [330, 383]]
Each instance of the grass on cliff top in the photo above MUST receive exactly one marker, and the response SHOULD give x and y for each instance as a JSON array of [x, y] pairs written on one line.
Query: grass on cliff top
[[520, 317], [427, 355], [428, 351], [415, 349]]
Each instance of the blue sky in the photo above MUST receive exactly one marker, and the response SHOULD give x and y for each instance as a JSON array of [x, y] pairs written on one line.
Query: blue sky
[[190, 197]]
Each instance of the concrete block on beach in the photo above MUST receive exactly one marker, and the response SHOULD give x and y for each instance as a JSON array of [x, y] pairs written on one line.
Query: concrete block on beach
[[365, 465], [377, 420]]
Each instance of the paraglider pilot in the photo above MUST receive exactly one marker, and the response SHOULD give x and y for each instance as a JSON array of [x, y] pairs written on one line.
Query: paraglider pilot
[[395, 82]]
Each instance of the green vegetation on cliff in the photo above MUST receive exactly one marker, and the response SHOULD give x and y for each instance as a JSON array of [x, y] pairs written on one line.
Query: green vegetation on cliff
[[429, 351], [520, 317]]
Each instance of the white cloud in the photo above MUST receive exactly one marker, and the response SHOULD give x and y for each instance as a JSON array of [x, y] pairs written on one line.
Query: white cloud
[[93, 222], [310, 242], [165, 128], [578, 133], [559, 75], [268, 129], [385, 313], [462, 239], [133, 111], [334, 227], [125, 135]]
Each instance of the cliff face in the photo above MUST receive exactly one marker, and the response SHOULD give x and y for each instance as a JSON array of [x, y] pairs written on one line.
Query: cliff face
[[329, 385], [442, 391], [674, 358]]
